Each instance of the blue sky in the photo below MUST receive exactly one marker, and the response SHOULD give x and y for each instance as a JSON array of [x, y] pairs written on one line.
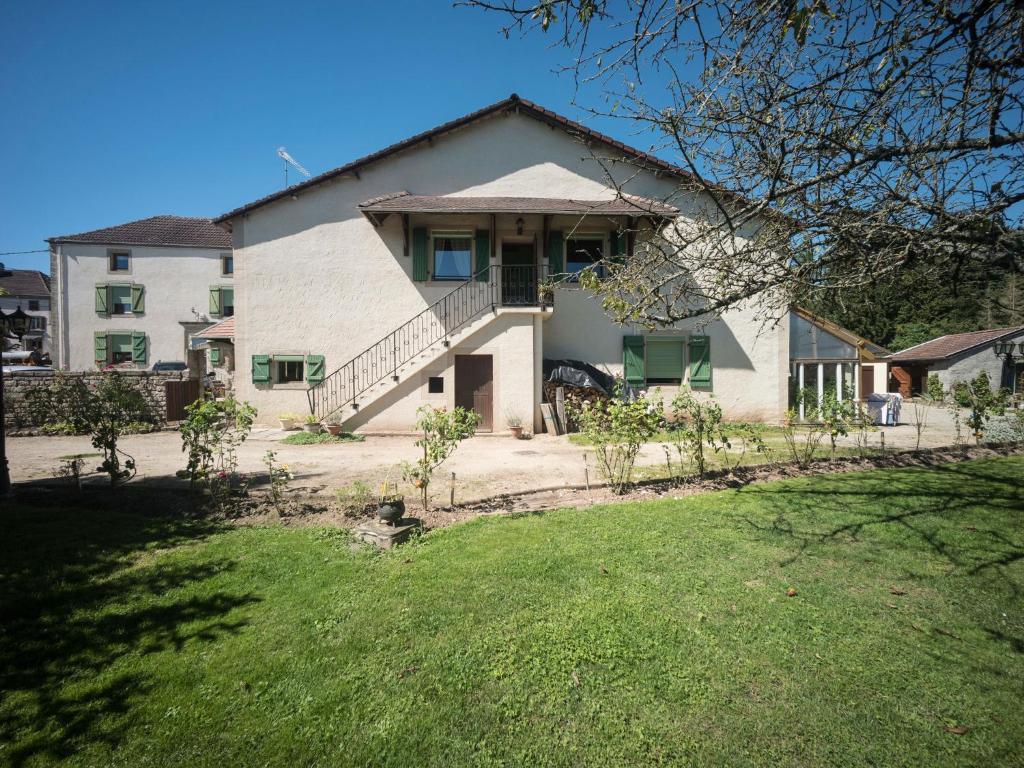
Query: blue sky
[[118, 111]]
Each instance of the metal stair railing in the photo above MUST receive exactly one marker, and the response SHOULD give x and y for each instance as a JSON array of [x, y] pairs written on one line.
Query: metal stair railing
[[502, 285]]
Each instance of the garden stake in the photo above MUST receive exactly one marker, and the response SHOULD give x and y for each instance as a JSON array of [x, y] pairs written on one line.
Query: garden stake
[[882, 435], [452, 488]]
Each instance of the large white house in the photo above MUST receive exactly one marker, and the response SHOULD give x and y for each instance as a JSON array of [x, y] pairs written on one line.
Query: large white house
[[133, 294], [416, 275]]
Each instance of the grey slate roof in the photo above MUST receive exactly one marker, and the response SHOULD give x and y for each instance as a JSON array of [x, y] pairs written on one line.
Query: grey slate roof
[[626, 205], [24, 282], [156, 230], [952, 344]]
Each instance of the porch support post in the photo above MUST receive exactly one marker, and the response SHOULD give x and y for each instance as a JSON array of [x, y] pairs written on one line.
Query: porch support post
[[821, 384], [545, 229], [494, 237], [839, 382], [630, 236], [800, 369], [405, 235], [856, 381]]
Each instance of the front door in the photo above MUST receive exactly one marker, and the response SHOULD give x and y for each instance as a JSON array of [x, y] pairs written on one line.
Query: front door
[[518, 274], [867, 381], [474, 387]]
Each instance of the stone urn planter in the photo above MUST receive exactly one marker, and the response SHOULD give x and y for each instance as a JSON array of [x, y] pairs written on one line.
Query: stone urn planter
[[313, 427], [333, 429], [286, 424], [391, 509]]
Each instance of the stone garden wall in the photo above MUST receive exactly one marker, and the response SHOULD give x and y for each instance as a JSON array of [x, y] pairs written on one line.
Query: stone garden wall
[[18, 418]]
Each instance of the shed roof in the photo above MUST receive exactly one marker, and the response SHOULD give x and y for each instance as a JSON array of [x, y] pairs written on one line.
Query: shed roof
[[225, 329], [952, 344], [156, 230]]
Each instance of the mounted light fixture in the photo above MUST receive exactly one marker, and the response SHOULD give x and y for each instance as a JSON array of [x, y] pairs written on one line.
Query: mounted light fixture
[[519, 225], [1003, 348], [16, 323]]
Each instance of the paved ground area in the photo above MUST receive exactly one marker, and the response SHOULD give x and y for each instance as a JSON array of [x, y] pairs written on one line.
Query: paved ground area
[[485, 465]]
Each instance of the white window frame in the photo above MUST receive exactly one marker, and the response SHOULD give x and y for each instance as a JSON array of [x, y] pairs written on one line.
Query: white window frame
[[605, 247]]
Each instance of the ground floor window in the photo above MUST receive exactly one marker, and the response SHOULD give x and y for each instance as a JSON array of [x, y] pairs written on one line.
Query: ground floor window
[[120, 345], [809, 381], [664, 363], [289, 369]]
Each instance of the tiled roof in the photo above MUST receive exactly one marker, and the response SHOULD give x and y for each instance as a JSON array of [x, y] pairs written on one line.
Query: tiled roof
[[156, 230], [952, 344], [24, 282], [513, 102], [225, 329], [626, 205]]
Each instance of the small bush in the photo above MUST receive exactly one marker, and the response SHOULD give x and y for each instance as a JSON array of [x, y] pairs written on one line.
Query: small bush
[[308, 438], [356, 500]]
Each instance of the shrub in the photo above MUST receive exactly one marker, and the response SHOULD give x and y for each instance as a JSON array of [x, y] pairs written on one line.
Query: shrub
[[697, 424], [617, 428], [980, 400], [934, 388], [113, 405], [801, 440], [836, 417], [442, 432], [211, 434], [356, 500]]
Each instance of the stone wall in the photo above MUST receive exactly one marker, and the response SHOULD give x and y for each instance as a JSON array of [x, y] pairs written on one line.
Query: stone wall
[[17, 384]]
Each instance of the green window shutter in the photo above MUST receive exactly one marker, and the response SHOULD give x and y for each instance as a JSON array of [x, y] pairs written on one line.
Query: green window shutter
[[633, 359], [215, 300], [556, 264], [260, 368], [99, 345], [214, 356], [483, 256], [619, 247], [314, 369], [419, 253], [101, 298], [138, 347], [664, 359], [700, 361], [138, 300]]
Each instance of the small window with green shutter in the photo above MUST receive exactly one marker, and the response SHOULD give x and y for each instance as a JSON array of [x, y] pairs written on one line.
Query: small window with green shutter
[[120, 348], [633, 360], [120, 301], [138, 347], [419, 254], [663, 361], [138, 299], [215, 356], [700, 362], [555, 245], [260, 369], [101, 348], [102, 299], [483, 256], [314, 369]]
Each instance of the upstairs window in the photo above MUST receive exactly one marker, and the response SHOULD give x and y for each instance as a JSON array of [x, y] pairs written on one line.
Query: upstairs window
[[453, 255], [33, 305], [584, 252], [120, 261], [227, 297], [227, 264], [120, 299], [37, 323]]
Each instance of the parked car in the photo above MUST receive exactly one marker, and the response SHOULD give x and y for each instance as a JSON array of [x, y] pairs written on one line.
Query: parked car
[[169, 365]]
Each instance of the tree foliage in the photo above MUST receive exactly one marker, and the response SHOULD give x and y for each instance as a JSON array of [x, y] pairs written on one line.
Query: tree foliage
[[443, 430], [853, 136]]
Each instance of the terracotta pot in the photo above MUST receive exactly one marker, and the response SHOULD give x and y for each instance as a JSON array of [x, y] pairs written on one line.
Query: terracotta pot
[[517, 432], [334, 429]]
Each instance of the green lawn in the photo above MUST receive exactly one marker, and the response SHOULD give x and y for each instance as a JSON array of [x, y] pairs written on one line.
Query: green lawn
[[638, 634]]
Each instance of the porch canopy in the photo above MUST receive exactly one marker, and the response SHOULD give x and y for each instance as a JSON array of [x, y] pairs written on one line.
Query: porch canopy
[[378, 209]]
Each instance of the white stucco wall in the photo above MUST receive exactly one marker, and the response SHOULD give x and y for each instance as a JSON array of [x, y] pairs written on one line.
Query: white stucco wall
[[317, 278], [177, 282]]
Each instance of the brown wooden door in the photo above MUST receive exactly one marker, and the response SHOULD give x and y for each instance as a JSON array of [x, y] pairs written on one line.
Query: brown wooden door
[[867, 380], [474, 387], [178, 395]]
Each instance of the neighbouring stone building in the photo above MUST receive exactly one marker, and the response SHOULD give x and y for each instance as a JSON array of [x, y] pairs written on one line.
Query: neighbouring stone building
[[133, 294], [958, 357], [28, 289]]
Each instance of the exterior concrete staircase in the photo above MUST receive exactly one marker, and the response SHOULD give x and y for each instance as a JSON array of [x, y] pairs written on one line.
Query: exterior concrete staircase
[[417, 343]]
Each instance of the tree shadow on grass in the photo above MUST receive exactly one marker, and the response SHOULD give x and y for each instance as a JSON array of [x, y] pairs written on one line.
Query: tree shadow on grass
[[80, 588], [967, 514]]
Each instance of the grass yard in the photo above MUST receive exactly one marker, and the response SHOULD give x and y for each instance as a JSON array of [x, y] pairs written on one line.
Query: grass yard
[[637, 634]]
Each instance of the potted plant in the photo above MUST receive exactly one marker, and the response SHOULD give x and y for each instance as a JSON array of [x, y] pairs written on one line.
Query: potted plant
[[333, 426], [515, 424], [287, 421], [313, 425], [392, 504]]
